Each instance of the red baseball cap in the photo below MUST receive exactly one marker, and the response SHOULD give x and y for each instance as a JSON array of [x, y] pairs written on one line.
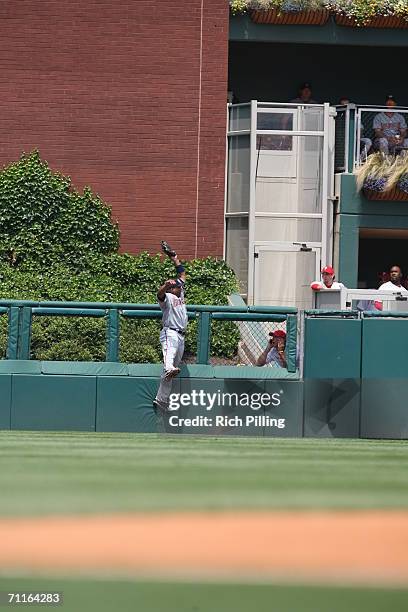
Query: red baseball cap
[[327, 270], [279, 333]]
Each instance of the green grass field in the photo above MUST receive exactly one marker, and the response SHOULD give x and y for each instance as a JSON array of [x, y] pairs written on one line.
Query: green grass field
[[75, 473], [80, 473]]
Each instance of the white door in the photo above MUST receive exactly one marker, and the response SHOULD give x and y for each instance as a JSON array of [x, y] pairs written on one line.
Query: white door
[[283, 273]]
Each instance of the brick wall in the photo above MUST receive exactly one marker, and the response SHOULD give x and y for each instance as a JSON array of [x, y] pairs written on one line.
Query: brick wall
[[109, 92]]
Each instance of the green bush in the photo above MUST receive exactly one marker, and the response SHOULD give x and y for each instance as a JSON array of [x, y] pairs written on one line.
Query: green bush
[[43, 219], [57, 244]]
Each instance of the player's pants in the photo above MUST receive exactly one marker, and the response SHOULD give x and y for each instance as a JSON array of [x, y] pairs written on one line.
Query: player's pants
[[173, 348]]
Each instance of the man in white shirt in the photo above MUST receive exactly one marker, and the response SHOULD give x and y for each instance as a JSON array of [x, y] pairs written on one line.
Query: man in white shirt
[[394, 284], [327, 282]]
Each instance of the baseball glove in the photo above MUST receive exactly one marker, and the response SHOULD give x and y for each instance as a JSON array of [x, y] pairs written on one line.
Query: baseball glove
[[166, 248]]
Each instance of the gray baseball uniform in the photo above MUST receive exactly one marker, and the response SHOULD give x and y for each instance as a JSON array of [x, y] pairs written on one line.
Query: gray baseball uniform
[[174, 322]]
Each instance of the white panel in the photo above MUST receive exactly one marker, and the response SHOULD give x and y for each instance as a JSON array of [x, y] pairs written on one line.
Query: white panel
[[284, 278], [276, 163], [311, 120], [276, 195], [237, 249], [238, 174], [310, 200], [280, 195], [310, 159], [275, 229]]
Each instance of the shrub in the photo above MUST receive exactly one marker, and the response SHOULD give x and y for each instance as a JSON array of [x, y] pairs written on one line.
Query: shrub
[[57, 244], [44, 220]]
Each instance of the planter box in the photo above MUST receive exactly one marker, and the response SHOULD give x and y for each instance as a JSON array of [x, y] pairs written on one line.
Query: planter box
[[375, 22], [394, 195], [290, 18]]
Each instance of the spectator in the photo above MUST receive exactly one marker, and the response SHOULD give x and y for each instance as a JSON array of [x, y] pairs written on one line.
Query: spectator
[[390, 129], [327, 282], [305, 95], [394, 284], [274, 354]]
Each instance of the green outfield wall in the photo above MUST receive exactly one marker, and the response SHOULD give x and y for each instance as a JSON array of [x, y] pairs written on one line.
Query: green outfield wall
[[348, 379]]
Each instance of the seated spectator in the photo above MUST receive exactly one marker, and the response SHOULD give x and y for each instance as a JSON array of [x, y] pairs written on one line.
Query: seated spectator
[[327, 282], [390, 129], [305, 95], [274, 354], [394, 284], [365, 143]]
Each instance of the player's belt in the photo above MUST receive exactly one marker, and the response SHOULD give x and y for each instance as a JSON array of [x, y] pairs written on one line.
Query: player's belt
[[179, 331]]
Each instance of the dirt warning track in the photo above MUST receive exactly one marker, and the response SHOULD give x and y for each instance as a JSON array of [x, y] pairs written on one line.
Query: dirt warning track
[[361, 546]]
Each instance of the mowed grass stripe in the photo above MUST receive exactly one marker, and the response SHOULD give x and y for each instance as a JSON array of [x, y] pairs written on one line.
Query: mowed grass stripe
[[106, 595], [47, 472]]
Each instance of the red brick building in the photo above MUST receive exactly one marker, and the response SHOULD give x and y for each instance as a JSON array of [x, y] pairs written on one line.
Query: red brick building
[[129, 97]]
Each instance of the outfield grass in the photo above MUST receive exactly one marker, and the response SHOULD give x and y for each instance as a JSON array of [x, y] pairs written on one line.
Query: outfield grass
[[126, 596], [44, 472]]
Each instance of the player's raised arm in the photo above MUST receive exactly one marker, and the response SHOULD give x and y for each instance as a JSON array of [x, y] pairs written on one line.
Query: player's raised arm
[[171, 253], [161, 294]]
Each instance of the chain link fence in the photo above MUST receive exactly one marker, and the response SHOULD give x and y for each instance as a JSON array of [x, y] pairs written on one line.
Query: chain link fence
[[340, 141], [242, 343]]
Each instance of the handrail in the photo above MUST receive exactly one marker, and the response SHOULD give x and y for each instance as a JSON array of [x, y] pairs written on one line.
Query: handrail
[[131, 306], [21, 313], [353, 116]]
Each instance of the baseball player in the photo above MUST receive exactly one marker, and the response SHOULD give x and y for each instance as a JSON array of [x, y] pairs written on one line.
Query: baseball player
[[174, 324]]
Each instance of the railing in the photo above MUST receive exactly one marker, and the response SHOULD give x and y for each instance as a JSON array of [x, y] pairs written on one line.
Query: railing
[[251, 326], [355, 134], [360, 300]]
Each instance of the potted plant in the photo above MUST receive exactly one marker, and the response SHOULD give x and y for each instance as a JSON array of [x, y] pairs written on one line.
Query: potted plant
[[370, 13], [284, 12]]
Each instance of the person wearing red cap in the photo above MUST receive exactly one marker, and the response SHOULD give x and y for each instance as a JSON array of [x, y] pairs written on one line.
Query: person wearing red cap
[[327, 282], [274, 354]]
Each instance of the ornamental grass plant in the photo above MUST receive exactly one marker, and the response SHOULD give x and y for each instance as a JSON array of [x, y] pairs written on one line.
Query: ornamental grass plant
[[383, 173]]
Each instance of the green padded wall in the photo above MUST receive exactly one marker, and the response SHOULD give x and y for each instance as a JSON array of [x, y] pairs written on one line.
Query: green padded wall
[[231, 403], [332, 408], [5, 401], [125, 404], [290, 409], [332, 348], [384, 403], [228, 409], [53, 402], [385, 348], [332, 377]]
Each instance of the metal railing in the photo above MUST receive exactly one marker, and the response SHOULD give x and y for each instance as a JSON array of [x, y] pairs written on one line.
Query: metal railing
[[355, 134], [360, 300], [249, 327]]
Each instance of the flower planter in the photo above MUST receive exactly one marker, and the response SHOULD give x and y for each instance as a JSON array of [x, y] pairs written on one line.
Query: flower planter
[[375, 22], [277, 17], [394, 195]]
